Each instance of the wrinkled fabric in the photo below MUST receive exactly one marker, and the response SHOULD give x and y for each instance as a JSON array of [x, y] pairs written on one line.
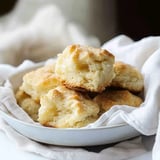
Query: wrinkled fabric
[[38, 34]]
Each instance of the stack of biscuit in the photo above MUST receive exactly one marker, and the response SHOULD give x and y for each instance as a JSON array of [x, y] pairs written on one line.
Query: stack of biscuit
[[84, 83]]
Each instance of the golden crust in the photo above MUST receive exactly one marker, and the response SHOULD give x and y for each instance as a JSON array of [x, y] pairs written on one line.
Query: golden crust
[[110, 98], [38, 82], [85, 68], [127, 77], [65, 108], [28, 104]]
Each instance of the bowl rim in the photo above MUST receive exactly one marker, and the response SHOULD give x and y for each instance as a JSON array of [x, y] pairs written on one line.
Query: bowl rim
[[37, 125]]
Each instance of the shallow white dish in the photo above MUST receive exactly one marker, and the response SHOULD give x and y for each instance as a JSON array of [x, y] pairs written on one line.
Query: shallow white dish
[[70, 136]]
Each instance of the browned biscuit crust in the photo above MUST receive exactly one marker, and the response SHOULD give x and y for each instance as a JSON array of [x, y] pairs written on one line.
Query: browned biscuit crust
[[127, 77], [110, 98], [38, 82]]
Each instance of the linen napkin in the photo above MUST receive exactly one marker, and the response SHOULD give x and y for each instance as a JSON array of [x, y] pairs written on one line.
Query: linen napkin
[[143, 119]]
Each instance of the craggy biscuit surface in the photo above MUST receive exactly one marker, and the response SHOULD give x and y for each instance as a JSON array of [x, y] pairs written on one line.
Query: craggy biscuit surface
[[127, 77], [110, 98], [51, 94], [85, 68], [28, 104], [65, 108], [38, 82]]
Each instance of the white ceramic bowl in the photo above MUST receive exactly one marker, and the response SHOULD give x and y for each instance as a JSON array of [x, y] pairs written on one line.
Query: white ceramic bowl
[[70, 136]]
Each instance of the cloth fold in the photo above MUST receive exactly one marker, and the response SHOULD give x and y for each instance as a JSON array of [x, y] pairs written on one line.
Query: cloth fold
[[156, 148]]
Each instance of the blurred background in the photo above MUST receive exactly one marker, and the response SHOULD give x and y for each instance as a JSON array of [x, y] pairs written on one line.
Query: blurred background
[[107, 18], [40, 29]]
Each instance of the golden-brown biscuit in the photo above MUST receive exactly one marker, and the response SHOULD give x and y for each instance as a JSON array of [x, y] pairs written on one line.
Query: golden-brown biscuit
[[127, 77], [38, 82], [110, 98], [28, 104], [65, 108], [85, 68]]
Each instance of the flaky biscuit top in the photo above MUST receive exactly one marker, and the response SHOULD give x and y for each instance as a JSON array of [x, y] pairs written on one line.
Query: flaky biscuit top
[[85, 68], [38, 82], [65, 108]]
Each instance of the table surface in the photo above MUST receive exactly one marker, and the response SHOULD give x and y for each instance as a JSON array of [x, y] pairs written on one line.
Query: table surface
[[8, 151]]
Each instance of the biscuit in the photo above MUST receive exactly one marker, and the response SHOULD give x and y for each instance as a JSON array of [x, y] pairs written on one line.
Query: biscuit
[[28, 104], [65, 108], [38, 82], [127, 77], [85, 68], [110, 98]]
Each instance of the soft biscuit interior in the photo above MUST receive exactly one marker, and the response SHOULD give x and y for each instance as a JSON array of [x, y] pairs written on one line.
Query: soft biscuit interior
[[85, 68], [28, 104]]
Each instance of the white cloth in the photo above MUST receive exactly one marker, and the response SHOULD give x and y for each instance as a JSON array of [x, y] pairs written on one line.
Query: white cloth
[[156, 148], [145, 55], [143, 119], [38, 32]]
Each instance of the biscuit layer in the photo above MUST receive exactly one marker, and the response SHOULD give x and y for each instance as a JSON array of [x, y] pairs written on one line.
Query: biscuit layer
[[65, 108]]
